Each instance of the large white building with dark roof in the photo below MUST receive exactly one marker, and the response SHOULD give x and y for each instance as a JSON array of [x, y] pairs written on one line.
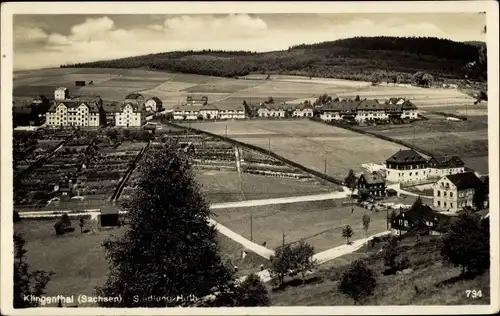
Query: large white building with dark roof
[[406, 166]]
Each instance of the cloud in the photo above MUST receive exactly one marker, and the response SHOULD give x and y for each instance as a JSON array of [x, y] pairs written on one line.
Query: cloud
[[100, 38], [23, 34]]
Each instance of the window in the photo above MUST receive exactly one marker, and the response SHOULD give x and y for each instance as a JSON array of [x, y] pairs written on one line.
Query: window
[[444, 193], [439, 203], [451, 204], [416, 173], [410, 174], [444, 204], [439, 193], [451, 194]]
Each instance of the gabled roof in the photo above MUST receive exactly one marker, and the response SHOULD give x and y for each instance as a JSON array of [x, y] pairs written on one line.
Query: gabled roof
[[331, 107], [208, 107], [272, 106], [367, 105], [373, 178], [418, 214], [446, 162], [230, 107], [466, 180], [134, 96], [408, 105], [73, 104], [157, 101], [407, 155], [188, 107], [135, 107], [349, 105]]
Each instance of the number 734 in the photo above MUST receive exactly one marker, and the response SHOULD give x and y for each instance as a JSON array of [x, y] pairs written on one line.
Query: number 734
[[473, 293]]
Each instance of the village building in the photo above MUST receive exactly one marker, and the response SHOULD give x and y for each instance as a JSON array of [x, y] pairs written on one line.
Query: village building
[[409, 110], [445, 165], [372, 183], [75, 112], [348, 110], [130, 114], [186, 112], [134, 98], [406, 166], [209, 112], [196, 100], [61, 94], [330, 111], [271, 110], [302, 110], [369, 110], [154, 105], [231, 112], [110, 110], [421, 219], [455, 192]]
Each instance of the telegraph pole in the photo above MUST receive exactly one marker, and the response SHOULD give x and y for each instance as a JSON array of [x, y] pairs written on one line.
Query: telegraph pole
[[269, 143], [325, 168], [251, 227], [226, 131]]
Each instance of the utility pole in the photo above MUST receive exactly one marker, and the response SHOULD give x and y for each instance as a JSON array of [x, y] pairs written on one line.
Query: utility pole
[[387, 217], [226, 131], [251, 227], [269, 143], [325, 168]]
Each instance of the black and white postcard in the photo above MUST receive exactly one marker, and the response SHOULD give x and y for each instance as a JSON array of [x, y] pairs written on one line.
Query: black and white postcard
[[249, 158]]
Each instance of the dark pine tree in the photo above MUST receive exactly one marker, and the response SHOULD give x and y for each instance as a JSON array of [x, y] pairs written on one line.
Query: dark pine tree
[[170, 249]]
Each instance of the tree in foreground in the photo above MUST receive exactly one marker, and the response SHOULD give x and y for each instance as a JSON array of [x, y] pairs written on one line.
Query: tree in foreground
[[358, 282], [304, 261], [292, 259], [347, 233], [351, 180], [170, 249], [26, 283], [467, 243], [252, 292], [281, 264], [366, 223]]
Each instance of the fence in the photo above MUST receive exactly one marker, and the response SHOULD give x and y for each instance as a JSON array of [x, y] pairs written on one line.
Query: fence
[[265, 152]]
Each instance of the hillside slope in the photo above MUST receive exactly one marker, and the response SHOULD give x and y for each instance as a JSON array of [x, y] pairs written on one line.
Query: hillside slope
[[355, 59]]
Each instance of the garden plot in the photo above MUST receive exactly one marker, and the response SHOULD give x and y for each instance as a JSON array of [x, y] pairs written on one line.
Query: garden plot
[[107, 168]]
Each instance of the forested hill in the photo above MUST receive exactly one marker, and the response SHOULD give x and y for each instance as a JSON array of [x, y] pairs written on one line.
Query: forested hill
[[357, 58]]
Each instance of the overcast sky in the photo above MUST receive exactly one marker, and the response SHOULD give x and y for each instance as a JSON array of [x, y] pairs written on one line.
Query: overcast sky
[[50, 40]]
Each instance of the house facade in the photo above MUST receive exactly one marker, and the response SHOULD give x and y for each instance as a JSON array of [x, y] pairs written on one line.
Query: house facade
[[271, 111], [134, 98], [130, 114], [153, 104], [406, 166], [209, 112], [330, 111], [186, 112], [303, 110], [445, 165], [373, 183], [74, 113], [230, 113], [421, 219], [369, 110], [61, 94], [455, 192]]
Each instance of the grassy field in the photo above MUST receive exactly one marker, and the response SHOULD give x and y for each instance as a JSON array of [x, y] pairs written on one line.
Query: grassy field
[[320, 223], [79, 262], [438, 282], [467, 139], [308, 143], [224, 186]]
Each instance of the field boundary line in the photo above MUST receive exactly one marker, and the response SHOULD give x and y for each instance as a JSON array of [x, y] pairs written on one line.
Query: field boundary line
[[382, 137], [265, 152]]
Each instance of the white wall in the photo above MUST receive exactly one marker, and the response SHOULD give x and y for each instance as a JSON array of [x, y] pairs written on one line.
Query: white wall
[[406, 176]]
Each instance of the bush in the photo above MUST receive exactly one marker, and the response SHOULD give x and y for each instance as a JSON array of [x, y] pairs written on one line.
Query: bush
[[358, 282]]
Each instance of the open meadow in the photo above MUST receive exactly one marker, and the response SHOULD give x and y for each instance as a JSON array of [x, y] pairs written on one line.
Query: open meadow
[[224, 186], [79, 263], [467, 139], [319, 223], [308, 143]]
